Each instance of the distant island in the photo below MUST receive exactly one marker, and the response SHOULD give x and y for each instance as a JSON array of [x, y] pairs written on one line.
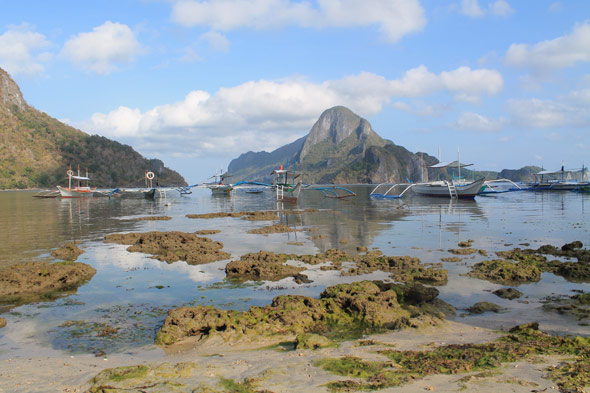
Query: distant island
[[36, 150], [343, 148]]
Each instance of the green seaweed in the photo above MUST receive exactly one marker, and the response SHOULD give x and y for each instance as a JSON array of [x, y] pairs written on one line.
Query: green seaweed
[[520, 342]]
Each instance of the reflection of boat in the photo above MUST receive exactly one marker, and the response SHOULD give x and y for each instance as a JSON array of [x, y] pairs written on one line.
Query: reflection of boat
[[218, 186], [287, 189], [80, 189], [455, 188], [560, 180]]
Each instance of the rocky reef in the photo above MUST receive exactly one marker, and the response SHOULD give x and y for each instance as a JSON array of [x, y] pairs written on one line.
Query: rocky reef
[[261, 266], [345, 309], [67, 252], [34, 281], [172, 246], [577, 306]]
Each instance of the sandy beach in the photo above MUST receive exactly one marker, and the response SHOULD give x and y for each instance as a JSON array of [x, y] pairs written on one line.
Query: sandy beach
[[282, 371]]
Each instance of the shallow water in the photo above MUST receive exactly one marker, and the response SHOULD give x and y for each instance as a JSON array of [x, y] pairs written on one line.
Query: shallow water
[[132, 292]]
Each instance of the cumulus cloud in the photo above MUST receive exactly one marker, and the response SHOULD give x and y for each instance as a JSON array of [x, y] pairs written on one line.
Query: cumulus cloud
[[275, 112], [470, 121], [23, 51], [472, 9], [395, 18], [561, 52], [103, 49], [566, 111], [217, 41]]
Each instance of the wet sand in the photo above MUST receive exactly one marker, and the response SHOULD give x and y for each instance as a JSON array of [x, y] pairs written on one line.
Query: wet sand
[[284, 371]]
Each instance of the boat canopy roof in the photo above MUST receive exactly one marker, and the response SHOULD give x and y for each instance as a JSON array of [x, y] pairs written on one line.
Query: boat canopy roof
[[559, 171], [80, 177], [452, 164]]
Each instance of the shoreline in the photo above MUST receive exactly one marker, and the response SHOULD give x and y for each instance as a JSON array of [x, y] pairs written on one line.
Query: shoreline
[[284, 371]]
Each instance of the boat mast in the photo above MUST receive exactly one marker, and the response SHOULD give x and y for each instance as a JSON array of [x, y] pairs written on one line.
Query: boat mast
[[459, 162]]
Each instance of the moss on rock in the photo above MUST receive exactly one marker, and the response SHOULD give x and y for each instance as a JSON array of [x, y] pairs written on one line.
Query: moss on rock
[[261, 266], [505, 272], [172, 246], [67, 252], [345, 309], [33, 281]]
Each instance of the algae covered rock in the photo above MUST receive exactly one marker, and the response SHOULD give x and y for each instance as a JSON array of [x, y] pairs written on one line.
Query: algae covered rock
[[262, 266], [2, 322], [67, 252], [162, 377], [347, 309], [275, 228], [508, 293], [577, 306], [481, 307], [505, 272], [33, 281], [172, 246], [312, 341]]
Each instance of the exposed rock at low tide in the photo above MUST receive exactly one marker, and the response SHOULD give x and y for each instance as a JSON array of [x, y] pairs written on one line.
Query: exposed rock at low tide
[[508, 293], [481, 307], [67, 252], [360, 307], [2, 322], [205, 232], [153, 218], [32, 281], [155, 377], [463, 251], [261, 266], [506, 272], [577, 306], [172, 246], [277, 228]]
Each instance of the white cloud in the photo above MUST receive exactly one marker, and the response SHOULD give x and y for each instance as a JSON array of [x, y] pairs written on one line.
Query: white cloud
[[561, 52], [463, 82], [567, 111], [472, 9], [555, 7], [501, 8], [470, 121], [22, 51], [216, 40], [272, 113], [395, 18], [104, 48]]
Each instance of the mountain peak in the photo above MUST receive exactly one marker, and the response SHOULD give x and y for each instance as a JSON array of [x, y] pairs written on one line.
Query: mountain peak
[[10, 93], [334, 126]]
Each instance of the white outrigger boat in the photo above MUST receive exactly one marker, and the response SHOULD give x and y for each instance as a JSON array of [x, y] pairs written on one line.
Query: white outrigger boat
[[287, 189], [218, 186], [455, 188], [81, 189]]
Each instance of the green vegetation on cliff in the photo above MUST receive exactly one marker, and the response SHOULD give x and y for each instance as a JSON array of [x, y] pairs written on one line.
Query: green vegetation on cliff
[[36, 150]]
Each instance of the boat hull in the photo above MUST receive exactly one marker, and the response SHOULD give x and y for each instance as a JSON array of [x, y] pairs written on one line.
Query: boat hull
[[76, 192], [287, 193], [441, 189], [220, 189], [558, 186]]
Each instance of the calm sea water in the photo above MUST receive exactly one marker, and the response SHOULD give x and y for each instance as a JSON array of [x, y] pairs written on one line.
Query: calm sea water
[[132, 292]]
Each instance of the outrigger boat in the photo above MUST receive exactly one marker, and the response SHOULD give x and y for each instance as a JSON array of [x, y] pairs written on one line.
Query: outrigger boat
[[80, 190], [560, 180], [218, 186], [455, 188], [286, 185]]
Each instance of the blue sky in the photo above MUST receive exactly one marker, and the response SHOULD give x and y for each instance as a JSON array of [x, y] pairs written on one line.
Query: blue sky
[[196, 83]]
